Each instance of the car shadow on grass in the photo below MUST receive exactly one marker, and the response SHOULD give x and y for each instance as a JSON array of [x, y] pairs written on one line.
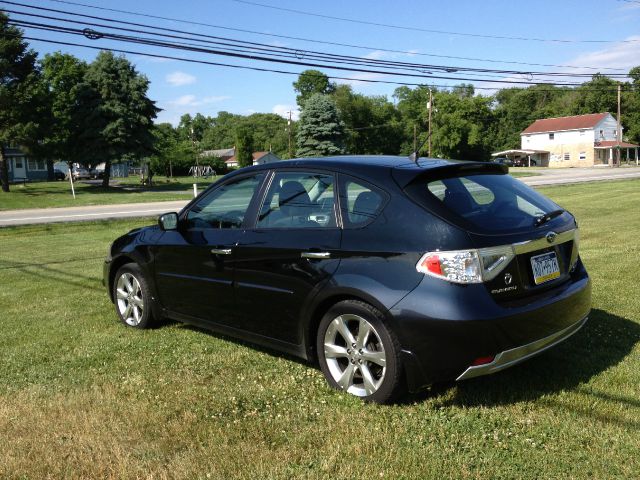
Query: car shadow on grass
[[604, 341]]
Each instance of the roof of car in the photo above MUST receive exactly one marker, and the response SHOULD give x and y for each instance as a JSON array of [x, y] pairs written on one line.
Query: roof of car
[[404, 169], [387, 161]]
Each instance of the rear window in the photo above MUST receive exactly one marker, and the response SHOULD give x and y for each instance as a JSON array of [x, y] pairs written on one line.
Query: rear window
[[484, 202]]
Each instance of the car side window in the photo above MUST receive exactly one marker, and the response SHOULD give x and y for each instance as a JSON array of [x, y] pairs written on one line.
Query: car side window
[[225, 206], [299, 200], [362, 203]]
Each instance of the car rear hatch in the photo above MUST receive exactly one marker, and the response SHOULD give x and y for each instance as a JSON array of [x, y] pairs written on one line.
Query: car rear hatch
[[523, 243]]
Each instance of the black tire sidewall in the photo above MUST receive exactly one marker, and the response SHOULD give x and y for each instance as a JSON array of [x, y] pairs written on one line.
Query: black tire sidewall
[[135, 270], [391, 385]]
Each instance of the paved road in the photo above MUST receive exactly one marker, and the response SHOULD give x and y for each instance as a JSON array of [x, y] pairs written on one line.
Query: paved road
[[75, 214]]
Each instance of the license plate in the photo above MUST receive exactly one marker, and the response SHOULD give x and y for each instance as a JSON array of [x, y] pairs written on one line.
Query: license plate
[[545, 267]]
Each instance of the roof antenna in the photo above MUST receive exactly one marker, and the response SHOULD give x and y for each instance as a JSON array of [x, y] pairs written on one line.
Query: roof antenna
[[415, 155]]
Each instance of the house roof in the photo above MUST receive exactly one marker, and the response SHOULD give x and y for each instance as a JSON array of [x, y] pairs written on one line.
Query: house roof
[[255, 155], [576, 122], [613, 143], [222, 152]]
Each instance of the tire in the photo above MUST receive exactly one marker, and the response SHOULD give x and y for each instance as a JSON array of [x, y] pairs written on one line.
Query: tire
[[132, 297], [358, 353]]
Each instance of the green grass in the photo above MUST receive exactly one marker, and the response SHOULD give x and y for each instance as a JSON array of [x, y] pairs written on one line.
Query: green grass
[[127, 190], [81, 396]]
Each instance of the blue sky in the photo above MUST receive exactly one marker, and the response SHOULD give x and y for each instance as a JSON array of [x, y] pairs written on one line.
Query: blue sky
[[180, 87]]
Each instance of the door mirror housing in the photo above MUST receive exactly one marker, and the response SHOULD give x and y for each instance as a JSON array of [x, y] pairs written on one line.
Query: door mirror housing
[[168, 221]]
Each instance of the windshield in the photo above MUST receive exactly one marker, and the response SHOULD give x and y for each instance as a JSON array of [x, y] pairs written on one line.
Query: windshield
[[484, 202]]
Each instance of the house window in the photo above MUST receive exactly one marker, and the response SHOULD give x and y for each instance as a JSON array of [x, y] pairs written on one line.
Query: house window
[[583, 155], [567, 156], [552, 136], [36, 165], [601, 133], [19, 162]]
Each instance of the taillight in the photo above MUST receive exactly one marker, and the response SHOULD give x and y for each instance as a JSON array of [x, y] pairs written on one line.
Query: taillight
[[466, 266]]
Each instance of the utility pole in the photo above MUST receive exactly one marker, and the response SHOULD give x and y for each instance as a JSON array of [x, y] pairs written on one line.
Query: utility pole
[[619, 130], [415, 137], [289, 131], [430, 107]]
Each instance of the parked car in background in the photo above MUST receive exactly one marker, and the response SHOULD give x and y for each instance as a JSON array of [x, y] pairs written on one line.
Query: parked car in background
[[503, 161], [58, 174], [80, 174], [524, 162], [97, 173], [391, 274]]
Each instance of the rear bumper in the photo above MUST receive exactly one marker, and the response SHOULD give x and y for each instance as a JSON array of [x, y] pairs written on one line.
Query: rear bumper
[[511, 357], [444, 328]]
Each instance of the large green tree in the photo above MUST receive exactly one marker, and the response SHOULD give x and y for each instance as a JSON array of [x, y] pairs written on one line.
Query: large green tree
[[373, 124], [310, 82], [63, 74], [320, 130], [22, 98], [117, 114]]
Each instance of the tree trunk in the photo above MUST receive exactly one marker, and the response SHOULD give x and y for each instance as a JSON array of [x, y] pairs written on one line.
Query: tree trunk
[[107, 174], [4, 170], [50, 175]]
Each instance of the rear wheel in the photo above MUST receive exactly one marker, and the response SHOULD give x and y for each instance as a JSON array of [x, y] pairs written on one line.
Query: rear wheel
[[358, 353], [131, 297]]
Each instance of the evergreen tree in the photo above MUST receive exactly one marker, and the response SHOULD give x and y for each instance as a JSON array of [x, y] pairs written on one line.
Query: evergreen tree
[[244, 147], [320, 130]]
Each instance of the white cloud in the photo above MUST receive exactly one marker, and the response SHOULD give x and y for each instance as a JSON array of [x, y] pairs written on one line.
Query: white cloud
[[178, 79], [193, 101], [623, 55], [376, 55], [283, 111]]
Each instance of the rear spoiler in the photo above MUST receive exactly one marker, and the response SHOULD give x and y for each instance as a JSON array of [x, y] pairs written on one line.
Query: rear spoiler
[[405, 174]]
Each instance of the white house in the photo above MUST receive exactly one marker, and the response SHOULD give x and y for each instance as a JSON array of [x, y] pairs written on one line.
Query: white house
[[577, 141]]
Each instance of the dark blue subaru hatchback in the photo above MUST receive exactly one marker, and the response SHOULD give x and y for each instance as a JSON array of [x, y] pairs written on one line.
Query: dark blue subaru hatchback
[[391, 274]]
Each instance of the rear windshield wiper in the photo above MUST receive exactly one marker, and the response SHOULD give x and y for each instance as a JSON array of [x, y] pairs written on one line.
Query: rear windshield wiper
[[542, 219]]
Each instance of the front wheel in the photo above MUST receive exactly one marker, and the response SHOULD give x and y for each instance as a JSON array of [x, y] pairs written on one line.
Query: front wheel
[[358, 353], [132, 297]]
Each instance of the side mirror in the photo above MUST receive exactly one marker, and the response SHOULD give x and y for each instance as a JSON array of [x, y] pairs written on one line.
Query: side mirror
[[168, 221]]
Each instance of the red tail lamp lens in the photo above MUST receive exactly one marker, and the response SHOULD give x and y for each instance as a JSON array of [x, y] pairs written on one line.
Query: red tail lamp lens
[[432, 264], [482, 361]]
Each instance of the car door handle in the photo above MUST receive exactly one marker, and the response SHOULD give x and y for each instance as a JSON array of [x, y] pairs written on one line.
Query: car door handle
[[315, 255], [221, 251]]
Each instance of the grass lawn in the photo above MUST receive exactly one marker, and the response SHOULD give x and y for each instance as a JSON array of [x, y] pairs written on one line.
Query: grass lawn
[[127, 190], [81, 396]]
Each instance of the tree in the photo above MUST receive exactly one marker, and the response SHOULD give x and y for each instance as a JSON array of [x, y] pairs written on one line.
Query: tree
[[244, 147], [116, 112], [373, 124], [21, 93], [310, 82], [320, 130], [62, 74]]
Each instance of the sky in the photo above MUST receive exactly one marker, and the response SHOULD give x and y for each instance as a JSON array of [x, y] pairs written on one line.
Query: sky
[[600, 34]]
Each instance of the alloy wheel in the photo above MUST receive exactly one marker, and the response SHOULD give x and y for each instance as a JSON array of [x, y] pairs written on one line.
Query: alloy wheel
[[129, 299], [355, 355]]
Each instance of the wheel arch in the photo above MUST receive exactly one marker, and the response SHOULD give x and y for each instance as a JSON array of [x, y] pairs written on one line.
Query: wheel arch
[[323, 304]]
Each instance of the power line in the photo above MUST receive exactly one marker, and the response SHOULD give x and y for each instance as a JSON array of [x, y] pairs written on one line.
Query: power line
[[326, 42], [269, 48], [164, 44], [260, 69], [427, 30], [289, 53]]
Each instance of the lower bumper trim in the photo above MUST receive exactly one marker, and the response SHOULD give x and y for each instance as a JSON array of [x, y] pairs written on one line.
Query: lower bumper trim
[[516, 355]]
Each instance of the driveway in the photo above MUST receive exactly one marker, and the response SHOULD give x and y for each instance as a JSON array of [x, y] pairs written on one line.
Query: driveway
[[75, 214]]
